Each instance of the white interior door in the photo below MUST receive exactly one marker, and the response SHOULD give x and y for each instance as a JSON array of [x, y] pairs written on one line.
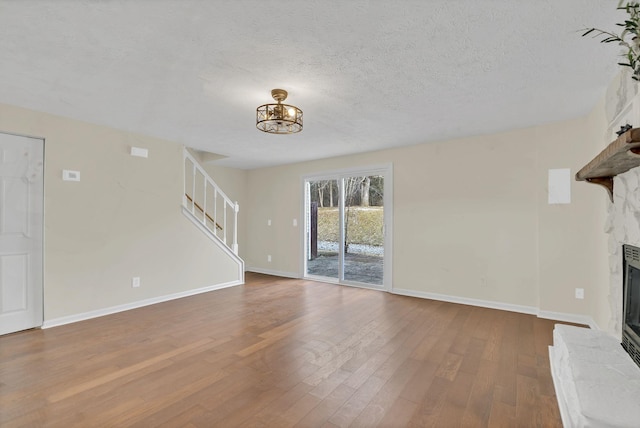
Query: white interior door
[[21, 220]]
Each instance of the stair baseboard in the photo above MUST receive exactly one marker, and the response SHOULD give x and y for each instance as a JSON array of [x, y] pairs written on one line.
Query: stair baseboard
[[193, 219]]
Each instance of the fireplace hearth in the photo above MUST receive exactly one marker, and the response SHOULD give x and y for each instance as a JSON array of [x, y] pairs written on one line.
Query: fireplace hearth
[[631, 303]]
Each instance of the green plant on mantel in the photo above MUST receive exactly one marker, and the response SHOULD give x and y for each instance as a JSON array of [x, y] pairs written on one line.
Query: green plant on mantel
[[628, 38]]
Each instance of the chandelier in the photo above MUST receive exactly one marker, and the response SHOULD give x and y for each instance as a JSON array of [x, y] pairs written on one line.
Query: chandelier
[[279, 118]]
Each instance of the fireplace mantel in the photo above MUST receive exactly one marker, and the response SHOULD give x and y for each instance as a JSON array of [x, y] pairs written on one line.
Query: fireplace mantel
[[620, 156]]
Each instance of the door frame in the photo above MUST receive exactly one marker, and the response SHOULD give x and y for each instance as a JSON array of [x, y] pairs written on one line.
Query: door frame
[[385, 170]]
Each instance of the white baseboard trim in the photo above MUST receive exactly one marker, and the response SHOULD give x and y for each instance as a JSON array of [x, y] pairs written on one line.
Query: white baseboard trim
[[273, 272], [134, 305], [572, 318], [531, 310], [467, 301]]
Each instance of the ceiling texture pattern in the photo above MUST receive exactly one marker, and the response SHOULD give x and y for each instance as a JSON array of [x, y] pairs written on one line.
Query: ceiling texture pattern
[[368, 75]]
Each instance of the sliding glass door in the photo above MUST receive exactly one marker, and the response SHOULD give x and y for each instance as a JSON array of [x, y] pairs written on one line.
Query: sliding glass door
[[346, 227]]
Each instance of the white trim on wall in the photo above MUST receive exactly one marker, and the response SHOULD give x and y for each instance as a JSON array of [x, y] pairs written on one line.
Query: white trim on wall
[[134, 305], [272, 272], [467, 301], [531, 310], [572, 318]]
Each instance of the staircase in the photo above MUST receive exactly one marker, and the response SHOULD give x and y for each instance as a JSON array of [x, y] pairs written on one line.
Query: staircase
[[207, 206]]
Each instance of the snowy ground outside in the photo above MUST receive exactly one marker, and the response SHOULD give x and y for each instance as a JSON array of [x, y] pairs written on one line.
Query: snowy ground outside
[[370, 250]]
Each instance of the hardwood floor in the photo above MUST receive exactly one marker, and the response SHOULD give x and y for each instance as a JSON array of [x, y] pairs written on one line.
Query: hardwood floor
[[280, 352]]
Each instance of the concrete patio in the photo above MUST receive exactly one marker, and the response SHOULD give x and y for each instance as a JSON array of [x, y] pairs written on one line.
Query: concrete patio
[[358, 267]]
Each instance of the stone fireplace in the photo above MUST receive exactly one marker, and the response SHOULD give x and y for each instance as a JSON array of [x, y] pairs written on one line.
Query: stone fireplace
[[623, 227], [622, 105], [596, 382]]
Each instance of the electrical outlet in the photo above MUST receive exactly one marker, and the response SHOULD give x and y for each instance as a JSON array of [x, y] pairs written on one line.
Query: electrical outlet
[[579, 293], [295, 222], [269, 222], [135, 281], [269, 258]]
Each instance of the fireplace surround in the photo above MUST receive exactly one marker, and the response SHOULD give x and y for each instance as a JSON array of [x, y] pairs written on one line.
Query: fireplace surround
[[596, 383], [631, 303]]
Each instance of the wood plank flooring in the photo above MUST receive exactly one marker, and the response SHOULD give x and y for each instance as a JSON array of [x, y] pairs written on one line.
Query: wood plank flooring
[[279, 353]]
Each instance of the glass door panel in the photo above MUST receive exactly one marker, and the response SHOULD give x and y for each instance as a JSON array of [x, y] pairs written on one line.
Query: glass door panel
[[363, 256], [323, 229]]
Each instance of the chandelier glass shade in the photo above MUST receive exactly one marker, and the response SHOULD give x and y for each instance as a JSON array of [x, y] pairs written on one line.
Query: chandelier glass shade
[[279, 118]]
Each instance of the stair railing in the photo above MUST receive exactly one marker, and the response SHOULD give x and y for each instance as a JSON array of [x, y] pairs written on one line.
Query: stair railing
[[207, 202]]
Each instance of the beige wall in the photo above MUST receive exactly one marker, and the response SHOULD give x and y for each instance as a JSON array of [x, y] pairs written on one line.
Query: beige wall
[[122, 220], [471, 218], [572, 242]]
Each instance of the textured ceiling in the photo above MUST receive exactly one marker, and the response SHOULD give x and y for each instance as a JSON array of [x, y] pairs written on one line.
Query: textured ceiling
[[367, 74]]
